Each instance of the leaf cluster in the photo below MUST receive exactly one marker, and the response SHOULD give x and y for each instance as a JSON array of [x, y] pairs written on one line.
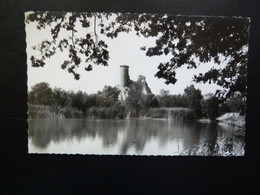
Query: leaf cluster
[[82, 51]]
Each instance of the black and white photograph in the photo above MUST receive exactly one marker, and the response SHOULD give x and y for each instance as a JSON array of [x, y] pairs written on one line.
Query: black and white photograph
[[136, 84]]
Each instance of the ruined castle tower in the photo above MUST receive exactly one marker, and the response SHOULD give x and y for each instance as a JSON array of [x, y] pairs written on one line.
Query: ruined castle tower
[[124, 81], [124, 76]]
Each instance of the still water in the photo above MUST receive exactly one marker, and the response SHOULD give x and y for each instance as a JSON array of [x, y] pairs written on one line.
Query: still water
[[134, 137]]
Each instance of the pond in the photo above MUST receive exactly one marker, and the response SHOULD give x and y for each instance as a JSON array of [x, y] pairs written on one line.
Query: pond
[[134, 137]]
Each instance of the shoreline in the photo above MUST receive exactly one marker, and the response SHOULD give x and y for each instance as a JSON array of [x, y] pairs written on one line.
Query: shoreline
[[232, 118]]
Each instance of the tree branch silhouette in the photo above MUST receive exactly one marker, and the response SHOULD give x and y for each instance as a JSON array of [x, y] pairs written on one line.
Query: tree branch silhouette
[[191, 41]]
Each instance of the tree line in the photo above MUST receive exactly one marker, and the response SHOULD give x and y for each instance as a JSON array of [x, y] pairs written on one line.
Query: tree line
[[107, 103], [207, 106], [75, 104]]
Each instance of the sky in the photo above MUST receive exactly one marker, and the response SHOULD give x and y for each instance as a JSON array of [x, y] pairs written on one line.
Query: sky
[[123, 50]]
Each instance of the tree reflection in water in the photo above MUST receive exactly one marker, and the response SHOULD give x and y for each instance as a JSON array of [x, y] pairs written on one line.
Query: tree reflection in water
[[141, 137]]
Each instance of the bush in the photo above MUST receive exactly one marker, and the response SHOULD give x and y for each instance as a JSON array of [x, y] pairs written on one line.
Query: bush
[[210, 107], [174, 113], [116, 111], [70, 112], [119, 110], [41, 111]]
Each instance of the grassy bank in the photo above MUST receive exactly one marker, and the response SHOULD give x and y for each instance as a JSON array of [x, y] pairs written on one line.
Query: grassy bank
[[114, 112], [171, 113], [40, 111]]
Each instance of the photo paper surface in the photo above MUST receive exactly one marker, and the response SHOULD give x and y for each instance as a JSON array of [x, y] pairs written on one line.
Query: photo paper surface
[[136, 84]]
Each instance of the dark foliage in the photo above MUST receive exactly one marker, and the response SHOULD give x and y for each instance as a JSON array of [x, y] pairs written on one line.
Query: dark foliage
[[194, 98], [165, 99], [189, 38], [40, 94], [140, 98], [236, 103], [210, 107], [87, 49], [46, 102]]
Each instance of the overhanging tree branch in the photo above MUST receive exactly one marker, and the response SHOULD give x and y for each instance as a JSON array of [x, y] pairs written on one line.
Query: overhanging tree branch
[[186, 39]]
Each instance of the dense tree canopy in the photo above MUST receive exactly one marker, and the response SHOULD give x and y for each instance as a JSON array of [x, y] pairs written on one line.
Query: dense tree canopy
[[108, 97], [40, 94], [140, 98], [206, 39], [193, 98], [135, 97], [165, 99], [189, 40], [59, 99], [210, 107]]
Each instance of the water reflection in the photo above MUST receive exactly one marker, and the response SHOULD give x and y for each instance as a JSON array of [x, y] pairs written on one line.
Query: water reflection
[[134, 136]]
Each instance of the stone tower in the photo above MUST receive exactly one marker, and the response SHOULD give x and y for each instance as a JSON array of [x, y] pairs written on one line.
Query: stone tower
[[124, 81], [124, 76]]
